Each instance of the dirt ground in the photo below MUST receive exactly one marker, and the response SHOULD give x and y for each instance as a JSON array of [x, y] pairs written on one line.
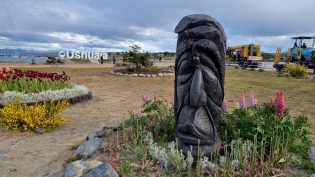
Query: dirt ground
[[36, 155]]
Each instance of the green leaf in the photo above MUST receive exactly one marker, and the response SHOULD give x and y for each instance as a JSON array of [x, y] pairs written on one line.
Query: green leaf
[[281, 160]]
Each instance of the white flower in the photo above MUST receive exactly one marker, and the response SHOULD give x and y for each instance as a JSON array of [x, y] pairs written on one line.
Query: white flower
[[235, 164], [204, 162], [148, 138], [77, 90], [189, 158], [222, 161]]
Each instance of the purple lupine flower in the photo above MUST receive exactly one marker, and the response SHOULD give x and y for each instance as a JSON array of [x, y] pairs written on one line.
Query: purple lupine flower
[[144, 97], [252, 99], [279, 102], [223, 108], [241, 101]]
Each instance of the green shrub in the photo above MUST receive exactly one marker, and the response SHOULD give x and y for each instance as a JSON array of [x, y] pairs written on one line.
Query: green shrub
[[157, 117], [295, 70], [261, 70], [140, 69]]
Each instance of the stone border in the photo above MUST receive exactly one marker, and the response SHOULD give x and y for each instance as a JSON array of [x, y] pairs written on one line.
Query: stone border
[[72, 101], [142, 75]]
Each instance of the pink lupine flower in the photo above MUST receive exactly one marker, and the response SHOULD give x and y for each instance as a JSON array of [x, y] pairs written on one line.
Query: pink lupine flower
[[172, 99], [144, 97], [241, 101], [271, 103], [279, 102], [138, 115], [223, 108], [156, 99], [252, 99]]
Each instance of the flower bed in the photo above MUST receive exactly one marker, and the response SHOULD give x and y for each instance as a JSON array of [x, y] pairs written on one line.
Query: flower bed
[[74, 95], [35, 87], [124, 72], [257, 140], [33, 99]]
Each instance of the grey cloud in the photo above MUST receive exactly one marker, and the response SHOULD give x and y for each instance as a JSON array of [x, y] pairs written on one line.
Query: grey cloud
[[112, 20]]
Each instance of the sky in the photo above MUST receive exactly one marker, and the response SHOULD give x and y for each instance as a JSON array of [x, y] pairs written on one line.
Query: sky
[[114, 25]]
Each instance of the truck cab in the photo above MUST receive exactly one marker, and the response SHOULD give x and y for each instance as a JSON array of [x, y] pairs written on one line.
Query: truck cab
[[301, 53]]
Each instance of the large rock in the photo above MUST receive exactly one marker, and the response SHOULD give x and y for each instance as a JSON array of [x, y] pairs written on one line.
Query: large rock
[[98, 134], [87, 148], [311, 153], [3, 130], [142, 75], [103, 170], [40, 130], [114, 127], [79, 168], [160, 74]]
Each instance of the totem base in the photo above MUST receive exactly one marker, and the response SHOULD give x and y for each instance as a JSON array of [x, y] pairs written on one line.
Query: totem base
[[205, 150]]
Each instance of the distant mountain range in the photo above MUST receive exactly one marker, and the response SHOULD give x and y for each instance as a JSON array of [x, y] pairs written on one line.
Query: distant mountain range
[[22, 52]]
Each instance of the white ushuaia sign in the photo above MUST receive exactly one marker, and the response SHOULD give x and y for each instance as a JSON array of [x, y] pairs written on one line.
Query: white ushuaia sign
[[84, 55]]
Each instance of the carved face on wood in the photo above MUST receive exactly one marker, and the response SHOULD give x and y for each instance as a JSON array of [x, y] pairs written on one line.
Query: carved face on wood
[[199, 82]]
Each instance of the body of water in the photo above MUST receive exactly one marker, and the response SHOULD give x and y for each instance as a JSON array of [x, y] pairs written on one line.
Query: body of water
[[263, 64], [269, 64], [26, 60]]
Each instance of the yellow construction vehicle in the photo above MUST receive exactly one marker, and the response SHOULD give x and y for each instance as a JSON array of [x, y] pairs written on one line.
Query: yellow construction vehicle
[[248, 55], [300, 53], [277, 59]]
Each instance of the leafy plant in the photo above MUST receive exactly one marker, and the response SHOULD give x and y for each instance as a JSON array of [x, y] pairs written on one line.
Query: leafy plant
[[139, 70], [139, 59], [32, 81], [157, 117], [47, 95], [295, 70], [272, 129], [259, 141], [20, 116], [261, 70]]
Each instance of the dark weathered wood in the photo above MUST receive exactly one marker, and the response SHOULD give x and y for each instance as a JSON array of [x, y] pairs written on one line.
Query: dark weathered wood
[[199, 83]]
